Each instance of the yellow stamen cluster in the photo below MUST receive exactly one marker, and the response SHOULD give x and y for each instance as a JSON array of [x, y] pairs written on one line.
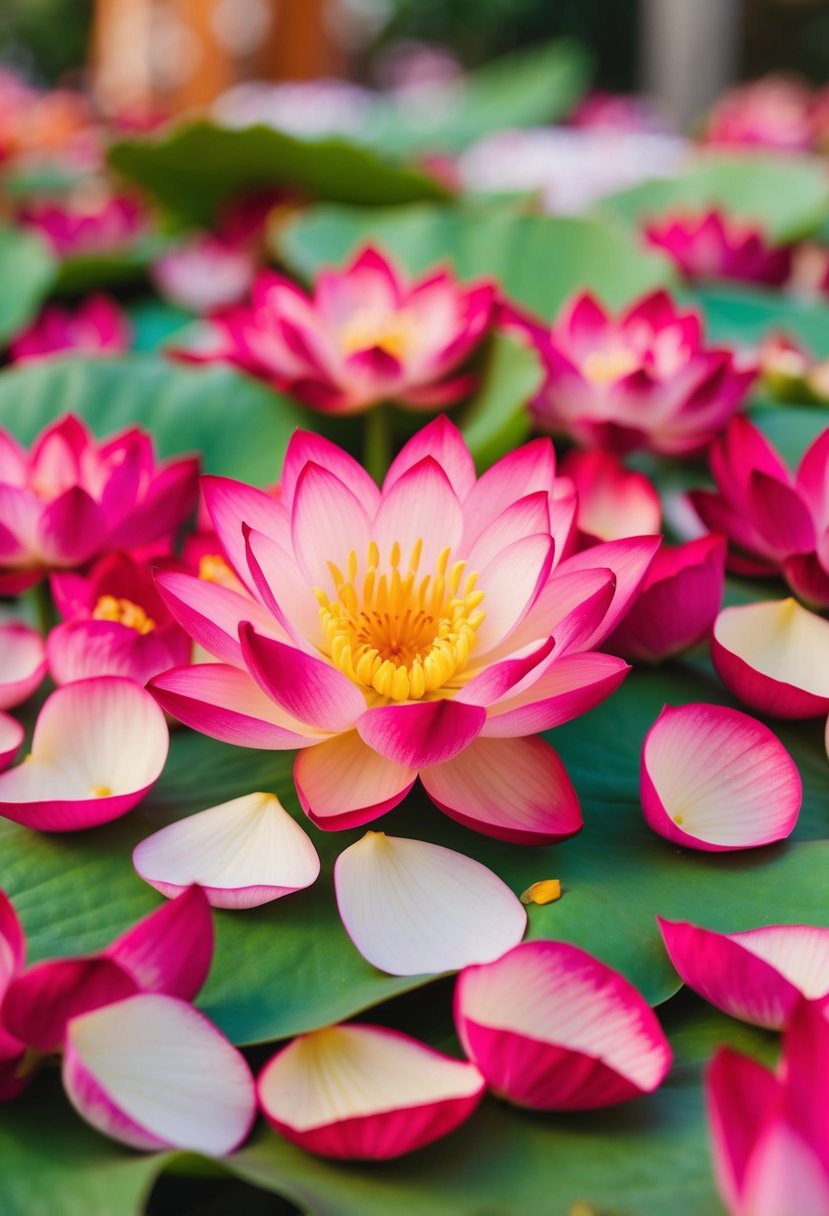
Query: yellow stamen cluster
[[214, 569], [392, 333], [402, 634], [124, 612], [605, 366]]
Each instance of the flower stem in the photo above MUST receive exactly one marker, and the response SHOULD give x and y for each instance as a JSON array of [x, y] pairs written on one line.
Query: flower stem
[[44, 609], [377, 442]]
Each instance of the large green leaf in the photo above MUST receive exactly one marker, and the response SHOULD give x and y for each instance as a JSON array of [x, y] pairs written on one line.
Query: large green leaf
[[27, 272], [194, 168], [745, 315], [787, 196], [239, 425], [539, 260], [497, 418]]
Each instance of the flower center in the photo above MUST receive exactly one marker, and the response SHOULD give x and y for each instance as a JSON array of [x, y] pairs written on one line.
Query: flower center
[[214, 569], [123, 612], [390, 332], [399, 632], [604, 366]]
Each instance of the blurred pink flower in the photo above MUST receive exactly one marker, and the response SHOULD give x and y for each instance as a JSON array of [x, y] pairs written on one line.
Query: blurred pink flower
[[87, 223], [204, 273], [714, 245], [772, 112], [96, 326]]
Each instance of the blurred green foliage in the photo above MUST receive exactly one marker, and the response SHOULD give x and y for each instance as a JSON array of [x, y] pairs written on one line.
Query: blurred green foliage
[[47, 39]]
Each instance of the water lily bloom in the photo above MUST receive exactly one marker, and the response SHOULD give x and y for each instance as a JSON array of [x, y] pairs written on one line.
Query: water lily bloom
[[115, 623], [613, 502], [154, 1073], [243, 853], [776, 521], [96, 326], [759, 975], [552, 1028], [22, 663], [422, 629], [774, 656], [88, 222], [679, 601], [769, 1131], [99, 745], [13, 1078], [413, 908], [715, 245], [365, 1093], [772, 112], [713, 778], [204, 273], [70, 498], [365, 336], [168, 951], [644, 379]]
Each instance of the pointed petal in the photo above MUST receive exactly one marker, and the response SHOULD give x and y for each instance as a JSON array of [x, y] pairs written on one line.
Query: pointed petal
[[342, 783], [283, 589], [365, 1093], [307, 688], [511, 584], [568, 688], [715, 779], [414, 908], [521, 472], [526, 517], [154, 1073], [441, 440], [231, 504], [171, 949], [420, 506], [629, 560], [307, 447], [740, 1093], [513, 789], [211, 614], [71, 529], [327, 522], [421, 733], [243, 853], [552, 1028]]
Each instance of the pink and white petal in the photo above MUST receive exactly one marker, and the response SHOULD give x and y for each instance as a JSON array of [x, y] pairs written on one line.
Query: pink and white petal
[[726, 972], [242, 853], [327, 522], [785, 1174], [511, 584], [740, 1094], [441, 440], [362, 1092], [421, 507], [283, 589], [501, 679], [566, 605], [210, 613], [39, 1004], [12, 735], [22, 663], [513, 789], [307, 447], [232, 503], [154, 1073], [71, 529], [629, 560], [307, 688], [570, 686], [552, 1028], [421, 733], [342, 783], [414, 908], [774, 656], [526, 517], [171, 949], [811, 475], [81, 649], [713, 778], [225, 703], [521, 472]]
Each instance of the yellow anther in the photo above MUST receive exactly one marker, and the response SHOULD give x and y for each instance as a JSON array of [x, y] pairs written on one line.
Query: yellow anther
[[123, 612], [101, 791], [546, 891], [214, 569]]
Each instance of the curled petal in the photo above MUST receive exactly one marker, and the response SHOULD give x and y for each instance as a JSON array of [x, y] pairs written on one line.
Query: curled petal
[[365, 1093], [305, 687], [40, 1003], [342, 783], [170, 950], [552, 1028], [12, 735], [774, 656], [22, 663], [426, 732], [715, 779], [413, 908], [154, 1073], [243, 853]]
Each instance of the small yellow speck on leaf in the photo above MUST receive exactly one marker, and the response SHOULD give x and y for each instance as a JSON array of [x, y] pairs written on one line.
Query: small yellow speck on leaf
[[547, 891]]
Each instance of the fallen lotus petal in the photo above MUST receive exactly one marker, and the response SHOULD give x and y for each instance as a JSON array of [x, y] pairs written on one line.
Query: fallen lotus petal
[[759, 975], [12, 955], [154, 1073], [243, 853], [365, 1093], [552, 1028], [98, 747], [412, 908], [41, 1002], [170, 950], [774, 656], [11, 736], [713, 778], [22, 663]]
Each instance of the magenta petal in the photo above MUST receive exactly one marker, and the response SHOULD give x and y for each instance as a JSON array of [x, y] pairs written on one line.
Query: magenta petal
[[552, 1028], [22, 663], [39, 1004], [307, 688], [171, 949], [629, 560], [415, 735], [569, 687], [71, 529], [441, 440], [12, 735], [741, 1095]]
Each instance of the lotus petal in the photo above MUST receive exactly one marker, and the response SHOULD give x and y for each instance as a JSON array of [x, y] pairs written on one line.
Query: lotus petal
[[41, 1002], [170, 950], [12, 735], [413, 908], [22, 663]]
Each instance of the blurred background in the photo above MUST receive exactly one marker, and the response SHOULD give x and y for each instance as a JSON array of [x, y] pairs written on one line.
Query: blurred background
[[173, 55]]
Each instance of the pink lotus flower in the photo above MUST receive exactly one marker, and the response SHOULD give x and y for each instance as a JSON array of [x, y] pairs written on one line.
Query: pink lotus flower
[[715, 779], [613, 502], [769, 1131], [776, 521], [773, 112], [204, 273], [624, 112], [95, 327], [115, 623], [98, 747], [365, 1093], [69, 499], [552, 1028], [424, 629], [364, 337], [644, 380], [759, 975], [22, 663], [86, 223], [715, 245], [679, 601]]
